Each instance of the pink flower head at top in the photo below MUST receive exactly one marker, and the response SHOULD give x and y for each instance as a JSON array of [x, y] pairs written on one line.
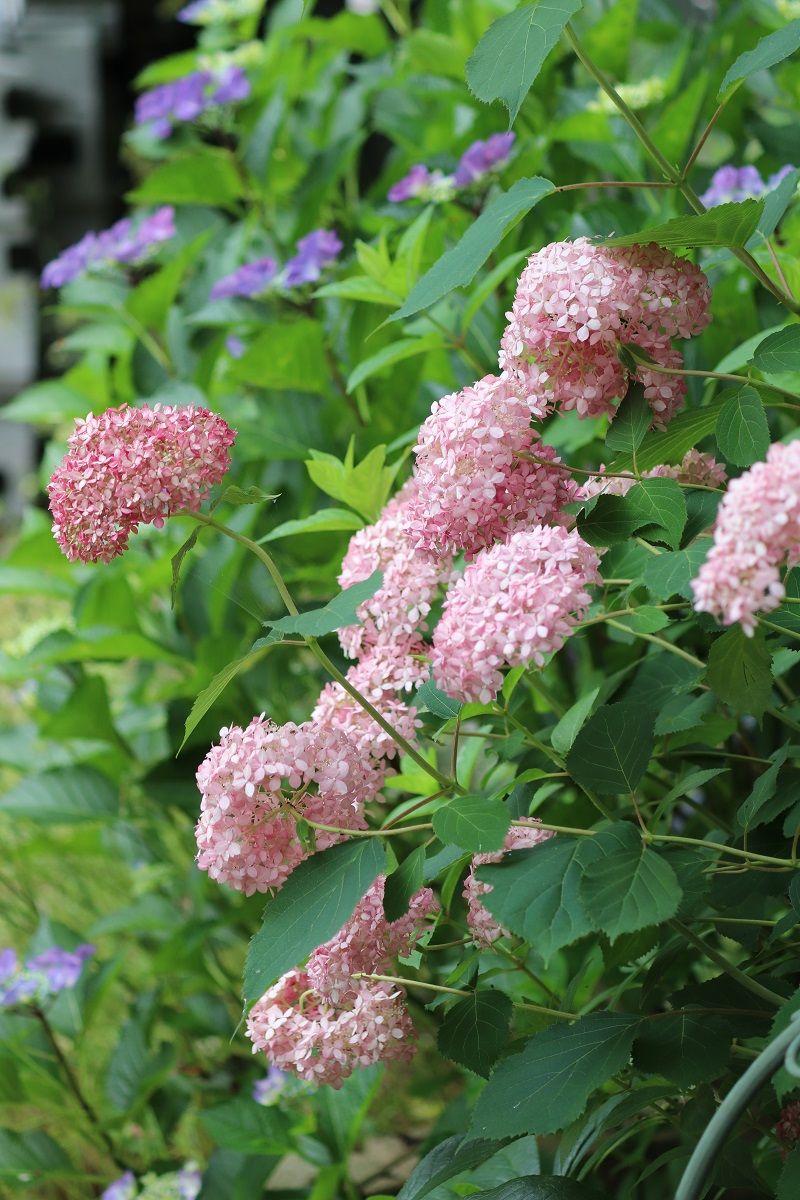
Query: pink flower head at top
[[255, 786], [515, 604], [576, 300], [471, 486], [756, 532], [484, 928], [322, 1023], [131, 467]]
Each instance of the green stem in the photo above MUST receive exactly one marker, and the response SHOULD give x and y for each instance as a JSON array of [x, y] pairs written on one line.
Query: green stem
[[437, 987], [723, 376], [752, 985]]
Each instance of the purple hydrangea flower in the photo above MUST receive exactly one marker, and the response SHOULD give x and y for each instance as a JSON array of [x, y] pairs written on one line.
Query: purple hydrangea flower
[[482, 156], [190, 1181], [248, 280], [411, 185], [315, 251], [187, 98], [59, 968], [123, 1188], [731, 183], [190, 13], [265, 1090], [124, 242], [21, 988], [779, 176], [234, 345], [8, 963], [232, 86]]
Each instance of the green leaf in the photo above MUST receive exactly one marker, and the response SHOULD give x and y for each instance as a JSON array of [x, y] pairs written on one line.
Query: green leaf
[[772, 49], [176, 562], [475, 1031], [433, 699], [611, 752], [47, 403], [459, 266], [535, 893], [29, 1155], [450, 1158], [364, 485], [547, 1085], [742, 429], [775, 204], [726, 225], [336, 614], [324, 520], [135, 1071], [476, 823], [789, 1182], [395, 352], [779, 353], [510, 54], [740, 671], [315, 902], [62, 797], [250, 495], [286, 355], [671, 573], [646, 619], [653, 502], [563, 734], [212, 692], [751, 812], [630, 886], [684, 1047], [540, 1187], [669, 446], [403, 883], [207, 176], [150, 300], [248, 1127], [631, 422]]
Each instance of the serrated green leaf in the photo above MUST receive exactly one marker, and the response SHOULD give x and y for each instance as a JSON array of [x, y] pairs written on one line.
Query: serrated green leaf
[[510, 54], [212, 692], [459, 266], [671, 573], [742, 430], [740, 671], [474, 1032], [336, 614], [547, 1085], [653, 502], [725, 225], [476, 823], [769, 51], [563, 734], [751, 812], [685, 1047], [611, 752], [631, 422], [630, 887], [250, 495], [779, 353], [450, 1158], [646, 619], [433, 699], [669, 446], [315, 902]]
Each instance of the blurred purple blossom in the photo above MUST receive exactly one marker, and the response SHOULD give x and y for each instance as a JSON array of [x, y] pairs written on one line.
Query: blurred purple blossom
[[232, 86], [190, 12], [45, 974], [185, 99], [248, 280], [125, 242], [314, 251], [123, 1188], [8, 963], [731, 184], [265, 1090], [482, 156], [476, 161], [411, 185], [190, 1181], [234, 345]]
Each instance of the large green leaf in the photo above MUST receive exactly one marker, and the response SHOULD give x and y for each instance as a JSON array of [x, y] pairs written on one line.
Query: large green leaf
[[336, 614], [547, 1085], [630, 886], [313, 905], [611, 752], [772, 49], [657, 503], [205, 176], [29, 1156], [248, 1127], [510, 54], [779, 353], [286, 355], [459, 266], [726, 225], [756, 809], [669, 445], [62, 797], [450, 1158], [536, 893], [742, 429], [670, 574], [475, 1031], [740, 671], [476, 823], [212, 692], [685, 1047], [631, 422]]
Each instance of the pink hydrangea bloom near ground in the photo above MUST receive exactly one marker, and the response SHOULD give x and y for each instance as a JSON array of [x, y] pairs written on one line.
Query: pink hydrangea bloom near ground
[[576, 300], [694, 468], [483, 926], [514, 605], [471, 489], [756, 532], [246, 833], [131, 467], [321, 1023], [396, 614]]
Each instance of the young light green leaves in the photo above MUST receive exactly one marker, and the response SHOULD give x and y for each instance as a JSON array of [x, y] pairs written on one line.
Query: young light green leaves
[[726, 225], [772, 49], [510, 54]]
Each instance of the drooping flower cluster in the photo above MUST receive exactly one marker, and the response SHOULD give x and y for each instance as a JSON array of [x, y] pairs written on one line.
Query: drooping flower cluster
[[472, 487], [131, 467], [161, 108], [259, 782], [514, 605], [128, 241], [485, 929], [756, 532], [694, 468], [732, 184], [321, 1023], [315, 251], [41, 976], [475, 164], [575, 301]]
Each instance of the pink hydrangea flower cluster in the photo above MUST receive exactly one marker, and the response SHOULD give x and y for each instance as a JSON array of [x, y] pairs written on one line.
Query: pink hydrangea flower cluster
[[321, 1023], [258, 782], [514, 605], [471, 487], [756, 532], [576, 300], [485, 929], [131, 467], [694, 468]]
